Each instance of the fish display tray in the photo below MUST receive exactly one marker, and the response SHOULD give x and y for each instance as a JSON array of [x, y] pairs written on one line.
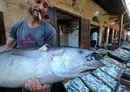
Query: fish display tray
[[123, 88], [76, 85], [102, 51], [126, 74], [127, 71], [110, 65], [107, 79], [94, 84], [126, 47], [110, 71], [107, 60], [120, 54]]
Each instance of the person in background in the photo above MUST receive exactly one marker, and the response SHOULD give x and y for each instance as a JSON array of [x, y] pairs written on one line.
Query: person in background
[[94, 38], [32, 32]]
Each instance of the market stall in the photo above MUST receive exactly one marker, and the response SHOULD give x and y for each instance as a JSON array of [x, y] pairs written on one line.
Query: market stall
[[113, 77]]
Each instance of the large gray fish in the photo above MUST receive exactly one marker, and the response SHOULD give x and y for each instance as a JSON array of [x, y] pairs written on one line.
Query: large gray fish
[[52, 65]]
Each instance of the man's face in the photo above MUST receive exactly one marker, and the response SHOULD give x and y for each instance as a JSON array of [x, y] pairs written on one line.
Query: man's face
[[38, 8]]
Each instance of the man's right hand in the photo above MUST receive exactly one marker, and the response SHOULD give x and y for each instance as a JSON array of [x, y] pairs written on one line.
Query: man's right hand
[[10, 43], [4, 49], [34, 85]]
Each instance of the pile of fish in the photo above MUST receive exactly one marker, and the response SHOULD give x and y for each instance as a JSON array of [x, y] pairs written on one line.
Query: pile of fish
[[111, 62], [123, 88], [95, 84], [126, 74], [113, 67], [76, 85], [127, 71], [102, 51], [126, 44], [91, 82], [121, 53], [52, 65], [110, 71], [107, 79]]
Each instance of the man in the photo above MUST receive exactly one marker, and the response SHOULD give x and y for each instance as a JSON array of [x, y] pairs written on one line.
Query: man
[[32, 32], [94, 38]]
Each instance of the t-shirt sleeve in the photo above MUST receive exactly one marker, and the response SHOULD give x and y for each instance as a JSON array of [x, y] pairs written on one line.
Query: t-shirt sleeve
[[13, 32], [50, 36]]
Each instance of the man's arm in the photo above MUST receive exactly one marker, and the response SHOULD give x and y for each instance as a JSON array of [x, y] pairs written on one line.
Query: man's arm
[[10, 43]]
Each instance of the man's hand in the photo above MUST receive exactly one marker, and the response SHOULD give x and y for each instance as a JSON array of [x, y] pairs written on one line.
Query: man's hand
[[10, 44], [34, 85], [4, 48]]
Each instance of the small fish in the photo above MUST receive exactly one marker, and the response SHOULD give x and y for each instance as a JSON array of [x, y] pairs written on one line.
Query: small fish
[[49, 66]]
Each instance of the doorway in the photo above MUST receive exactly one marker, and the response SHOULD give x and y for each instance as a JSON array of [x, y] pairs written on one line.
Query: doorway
[[110, 36], [94, 29], [2, 30], [68, 27]]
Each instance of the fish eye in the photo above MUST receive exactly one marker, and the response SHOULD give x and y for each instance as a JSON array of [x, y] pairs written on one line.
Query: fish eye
[[80, 51]]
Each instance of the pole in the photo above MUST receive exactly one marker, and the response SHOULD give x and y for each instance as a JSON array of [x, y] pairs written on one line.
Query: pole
[[121, 28]]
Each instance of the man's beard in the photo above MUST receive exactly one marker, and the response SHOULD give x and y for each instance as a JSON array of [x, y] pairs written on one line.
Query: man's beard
[[36, 14]]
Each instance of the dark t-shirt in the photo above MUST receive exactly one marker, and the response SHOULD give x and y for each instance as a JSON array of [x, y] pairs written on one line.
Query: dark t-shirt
[[33, 37], [27, 37]]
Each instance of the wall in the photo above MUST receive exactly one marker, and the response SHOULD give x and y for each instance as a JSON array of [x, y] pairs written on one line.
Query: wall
[[13, 11]]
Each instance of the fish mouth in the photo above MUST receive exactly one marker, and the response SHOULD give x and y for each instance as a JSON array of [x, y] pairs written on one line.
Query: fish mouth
[[88, 70]]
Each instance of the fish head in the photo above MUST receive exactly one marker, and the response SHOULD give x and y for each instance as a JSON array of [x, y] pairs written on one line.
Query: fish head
[[75, 61], [86, 60]]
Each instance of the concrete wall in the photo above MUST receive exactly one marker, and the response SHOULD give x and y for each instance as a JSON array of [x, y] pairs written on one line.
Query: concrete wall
[[14, 11]]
